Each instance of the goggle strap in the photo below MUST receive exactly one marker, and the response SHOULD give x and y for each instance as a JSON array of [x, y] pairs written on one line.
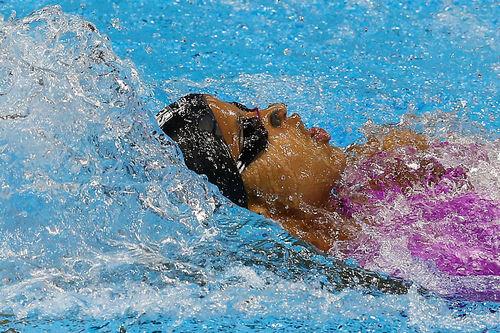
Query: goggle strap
[[241, 166]]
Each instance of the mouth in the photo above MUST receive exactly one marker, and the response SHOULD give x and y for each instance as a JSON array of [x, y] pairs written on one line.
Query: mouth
[[319, 135]]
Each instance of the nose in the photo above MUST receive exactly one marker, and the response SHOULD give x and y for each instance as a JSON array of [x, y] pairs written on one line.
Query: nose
[[295, 120], [295, 116]]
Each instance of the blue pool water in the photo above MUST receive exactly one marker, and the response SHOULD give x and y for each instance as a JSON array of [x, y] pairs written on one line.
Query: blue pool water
[[102, 227]]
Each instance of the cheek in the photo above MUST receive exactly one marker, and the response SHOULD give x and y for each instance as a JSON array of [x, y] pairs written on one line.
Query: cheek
[[295, 168], [271, 173]]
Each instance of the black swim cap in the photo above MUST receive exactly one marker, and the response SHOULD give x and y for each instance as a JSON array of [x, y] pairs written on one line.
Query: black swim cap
[[192, 125]]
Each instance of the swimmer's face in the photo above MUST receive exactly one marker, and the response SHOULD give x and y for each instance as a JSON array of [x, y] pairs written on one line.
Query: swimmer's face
[[298, 166]]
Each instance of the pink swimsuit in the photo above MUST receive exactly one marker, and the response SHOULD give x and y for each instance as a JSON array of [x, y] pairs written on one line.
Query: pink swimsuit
[[433, 225]]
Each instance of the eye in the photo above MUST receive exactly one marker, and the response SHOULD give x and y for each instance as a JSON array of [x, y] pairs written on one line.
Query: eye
[[275, 119]]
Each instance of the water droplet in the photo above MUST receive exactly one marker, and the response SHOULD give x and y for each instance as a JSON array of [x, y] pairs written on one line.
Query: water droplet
[[6, 80], [116, 23]]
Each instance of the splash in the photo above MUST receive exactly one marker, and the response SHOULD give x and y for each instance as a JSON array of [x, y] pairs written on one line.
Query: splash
[[99, 216], [101, 225], [86, 185]]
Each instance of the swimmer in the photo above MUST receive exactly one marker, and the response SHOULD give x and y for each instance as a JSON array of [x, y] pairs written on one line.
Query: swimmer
[[271, 164], [389, 203]]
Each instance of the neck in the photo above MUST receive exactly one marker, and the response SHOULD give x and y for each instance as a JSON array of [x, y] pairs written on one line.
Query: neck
[[314, 224]]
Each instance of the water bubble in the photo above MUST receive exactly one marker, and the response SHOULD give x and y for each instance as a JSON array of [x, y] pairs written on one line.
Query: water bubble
[[116, 23], [6, 80]]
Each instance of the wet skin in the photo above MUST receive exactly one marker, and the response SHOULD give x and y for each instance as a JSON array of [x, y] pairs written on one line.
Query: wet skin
[[291, 180]]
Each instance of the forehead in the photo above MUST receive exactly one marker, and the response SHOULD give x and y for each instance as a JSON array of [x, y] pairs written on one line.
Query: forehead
[[223, 107]]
